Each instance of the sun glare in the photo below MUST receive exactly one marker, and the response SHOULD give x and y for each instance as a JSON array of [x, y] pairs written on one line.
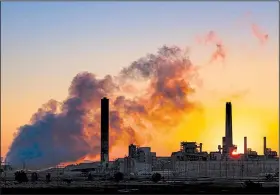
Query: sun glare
[[234, 152]]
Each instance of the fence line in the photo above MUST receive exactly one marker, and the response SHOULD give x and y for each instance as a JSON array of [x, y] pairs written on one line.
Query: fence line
[[224, 168]]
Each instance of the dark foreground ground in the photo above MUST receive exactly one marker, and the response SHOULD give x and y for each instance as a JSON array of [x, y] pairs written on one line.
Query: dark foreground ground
[[146, 190]]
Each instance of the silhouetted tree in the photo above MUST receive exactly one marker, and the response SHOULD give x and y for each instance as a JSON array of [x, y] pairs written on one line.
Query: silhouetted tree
[[156, 177], [20, 176], [118, 176], [17, 176]]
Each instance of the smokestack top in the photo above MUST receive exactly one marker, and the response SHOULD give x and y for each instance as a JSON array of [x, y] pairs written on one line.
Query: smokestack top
[[104, 98]]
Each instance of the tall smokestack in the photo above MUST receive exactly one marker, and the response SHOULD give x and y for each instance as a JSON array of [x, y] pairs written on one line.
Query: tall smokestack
[[104, 131], [264, 146], [228, 126], [245, 146], [200, 147]]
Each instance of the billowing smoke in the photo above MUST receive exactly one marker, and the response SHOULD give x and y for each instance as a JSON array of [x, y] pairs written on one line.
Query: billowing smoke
[[51, 138], [57, 133], [68, 131]]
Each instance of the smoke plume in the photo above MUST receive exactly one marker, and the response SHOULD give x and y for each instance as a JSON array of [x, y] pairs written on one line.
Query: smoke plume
[[255, 29], [211, 38], [70, 130], [259, 34]]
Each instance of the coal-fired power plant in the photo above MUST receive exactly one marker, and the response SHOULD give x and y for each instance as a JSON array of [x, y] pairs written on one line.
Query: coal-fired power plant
[[104, 131], [142, 161], [228, 138], [100, 113]]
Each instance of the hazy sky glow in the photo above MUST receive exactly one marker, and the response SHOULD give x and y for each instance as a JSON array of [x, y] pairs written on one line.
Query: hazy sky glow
[[45, 44]]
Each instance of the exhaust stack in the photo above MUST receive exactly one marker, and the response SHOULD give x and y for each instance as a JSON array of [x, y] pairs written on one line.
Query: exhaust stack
[[264, 146], [228, 136], [245, 145], [104, 131], [200, 147]]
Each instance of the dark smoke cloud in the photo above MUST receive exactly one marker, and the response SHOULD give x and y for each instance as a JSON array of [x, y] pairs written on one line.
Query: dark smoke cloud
[[129, 106], [51, 139], [68, 131], [90, 89], [51, 106]]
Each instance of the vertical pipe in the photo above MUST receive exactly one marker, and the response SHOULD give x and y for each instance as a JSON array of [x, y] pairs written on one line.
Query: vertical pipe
[[225, 139], [104, 130], [228, 130], [200, 147], [245, 146], [229, 125], [264, 146]]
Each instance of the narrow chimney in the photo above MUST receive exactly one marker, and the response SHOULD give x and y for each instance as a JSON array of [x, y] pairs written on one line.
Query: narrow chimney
[[200, 147], [264, 146], [245, 145], [104, 131], [228, 132], [219, 148]]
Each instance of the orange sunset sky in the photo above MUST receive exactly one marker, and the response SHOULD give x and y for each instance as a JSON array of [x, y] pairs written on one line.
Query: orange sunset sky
[[44, 45]]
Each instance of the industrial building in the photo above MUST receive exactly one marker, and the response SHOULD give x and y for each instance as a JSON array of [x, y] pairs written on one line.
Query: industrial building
[[139, 160], [191, 160]]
